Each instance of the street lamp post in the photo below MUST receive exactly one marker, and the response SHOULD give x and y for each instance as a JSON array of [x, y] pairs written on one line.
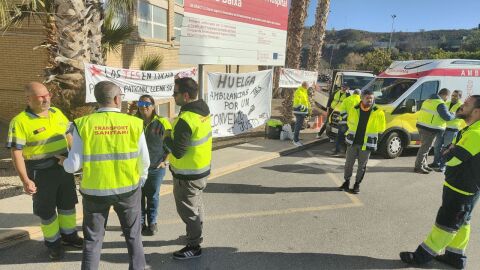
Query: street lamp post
[[391, 32]]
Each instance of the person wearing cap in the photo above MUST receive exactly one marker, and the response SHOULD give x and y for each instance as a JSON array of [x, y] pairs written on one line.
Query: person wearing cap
[[154, 128]]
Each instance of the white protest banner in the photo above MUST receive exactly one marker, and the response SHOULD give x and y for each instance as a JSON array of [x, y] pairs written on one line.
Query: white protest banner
[[239, 102], [293, 78], [135, 83]]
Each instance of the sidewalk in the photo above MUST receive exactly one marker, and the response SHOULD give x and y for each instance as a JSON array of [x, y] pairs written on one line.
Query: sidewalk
[[17, 222]]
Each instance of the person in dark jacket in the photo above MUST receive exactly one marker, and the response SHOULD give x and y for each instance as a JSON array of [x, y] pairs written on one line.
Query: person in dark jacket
[[451, 232], [191, 147], [155, 128]]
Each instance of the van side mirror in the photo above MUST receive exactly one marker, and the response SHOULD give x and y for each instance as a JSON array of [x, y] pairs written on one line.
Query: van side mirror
[[411, 105]]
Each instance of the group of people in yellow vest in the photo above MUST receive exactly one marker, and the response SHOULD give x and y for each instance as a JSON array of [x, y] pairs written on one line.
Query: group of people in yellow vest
[[122, 159], [455, 128], [363, 122]]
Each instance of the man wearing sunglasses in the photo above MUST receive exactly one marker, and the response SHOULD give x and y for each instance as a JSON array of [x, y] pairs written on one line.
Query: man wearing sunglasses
[[190, 144], [35, 137]]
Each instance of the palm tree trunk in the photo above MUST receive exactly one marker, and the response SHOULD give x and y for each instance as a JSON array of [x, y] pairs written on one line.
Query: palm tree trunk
[[318, 34], [73, 19], [296, 22], [95, 24]]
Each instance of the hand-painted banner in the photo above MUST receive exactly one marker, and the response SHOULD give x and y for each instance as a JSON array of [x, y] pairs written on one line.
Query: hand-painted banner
[[293, 78], [135, 83], [239, 102]]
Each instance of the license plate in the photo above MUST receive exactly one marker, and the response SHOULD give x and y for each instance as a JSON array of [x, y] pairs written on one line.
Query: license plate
[[334, 130]]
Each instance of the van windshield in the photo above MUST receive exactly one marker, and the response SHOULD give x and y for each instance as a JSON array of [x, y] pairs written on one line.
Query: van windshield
[[387, 90], [355, 82]]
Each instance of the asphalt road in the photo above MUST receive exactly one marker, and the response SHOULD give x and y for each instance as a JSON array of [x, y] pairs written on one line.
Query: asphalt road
[[287, 214]]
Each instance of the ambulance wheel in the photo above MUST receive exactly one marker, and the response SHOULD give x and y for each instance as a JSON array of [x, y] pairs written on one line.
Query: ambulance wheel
[[392, 146]]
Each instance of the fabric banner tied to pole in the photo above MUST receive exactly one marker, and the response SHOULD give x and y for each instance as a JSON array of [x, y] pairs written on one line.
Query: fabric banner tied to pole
[[239, 102], [135, 83], [293, 78]]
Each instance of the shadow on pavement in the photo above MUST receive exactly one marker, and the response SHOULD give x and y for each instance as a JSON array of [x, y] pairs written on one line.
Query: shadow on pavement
[[13, 220], [296, 168], [216, 258], [230, 258], [258, 189]]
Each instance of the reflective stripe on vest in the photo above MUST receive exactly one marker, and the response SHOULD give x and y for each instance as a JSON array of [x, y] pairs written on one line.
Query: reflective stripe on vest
[[110, 153], [199, 153], [429, 116], [337, 99], [455, 124], [457, 190], [370, 141], [41, 137]]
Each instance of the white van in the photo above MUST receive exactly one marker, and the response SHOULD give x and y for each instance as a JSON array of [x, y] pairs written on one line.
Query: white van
[[402, 88]]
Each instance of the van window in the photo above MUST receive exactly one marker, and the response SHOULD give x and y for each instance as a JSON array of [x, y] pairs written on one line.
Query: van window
[[355, 82], [428, 89], [420, 94], [387, 90]]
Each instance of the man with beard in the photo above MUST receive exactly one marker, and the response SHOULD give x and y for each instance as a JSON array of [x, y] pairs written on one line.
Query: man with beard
[[190, 144], [365, 123], [451, 231]]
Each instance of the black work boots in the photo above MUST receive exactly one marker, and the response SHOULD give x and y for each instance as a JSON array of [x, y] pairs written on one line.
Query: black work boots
[[346, 187]]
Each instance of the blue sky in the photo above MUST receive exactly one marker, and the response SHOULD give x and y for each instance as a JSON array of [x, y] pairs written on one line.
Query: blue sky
[[412, 15]]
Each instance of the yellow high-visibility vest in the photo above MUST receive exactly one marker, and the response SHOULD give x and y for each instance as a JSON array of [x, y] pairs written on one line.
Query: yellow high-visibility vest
[[39, 137], [300, 97], [110, 153], [346, 105], [198, 156], [375, 125], [429, 117], [338, 99], [455, 124]]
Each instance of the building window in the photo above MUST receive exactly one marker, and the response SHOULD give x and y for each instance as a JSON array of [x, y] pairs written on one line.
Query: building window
[[178, 26], [179, 2], [152, 21]]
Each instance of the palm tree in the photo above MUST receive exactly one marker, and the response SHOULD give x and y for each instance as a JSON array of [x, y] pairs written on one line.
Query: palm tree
[[317, 34], [73, 36], [296, 22]]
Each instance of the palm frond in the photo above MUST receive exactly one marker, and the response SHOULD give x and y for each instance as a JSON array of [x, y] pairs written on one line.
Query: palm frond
[[114, 34], [119, 6], [4, 12], [151, 62], [15, 15]]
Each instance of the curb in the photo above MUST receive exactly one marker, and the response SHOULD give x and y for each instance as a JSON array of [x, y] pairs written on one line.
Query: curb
[[20, 234]]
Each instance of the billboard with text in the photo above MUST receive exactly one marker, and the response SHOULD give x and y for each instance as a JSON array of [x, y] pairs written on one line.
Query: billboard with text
[[234, 32]]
